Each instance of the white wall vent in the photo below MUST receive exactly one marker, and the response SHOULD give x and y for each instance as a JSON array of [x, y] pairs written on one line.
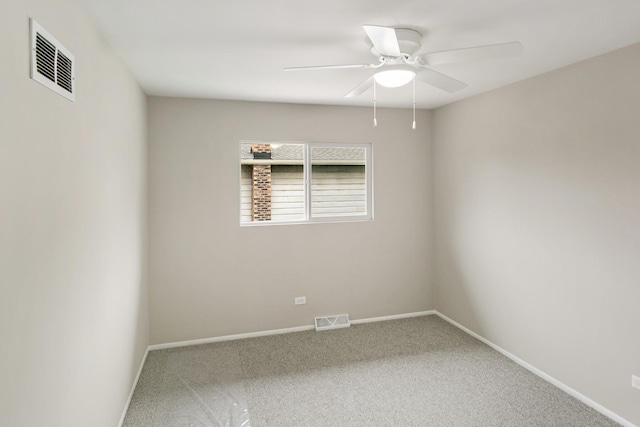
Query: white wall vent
[[51, 63], [332, 322]]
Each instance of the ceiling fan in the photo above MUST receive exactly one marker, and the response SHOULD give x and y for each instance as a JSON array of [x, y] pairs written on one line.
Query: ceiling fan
[[398, 65]]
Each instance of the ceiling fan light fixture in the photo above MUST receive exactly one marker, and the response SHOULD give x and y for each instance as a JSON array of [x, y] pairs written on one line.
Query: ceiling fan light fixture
[[395, 75]]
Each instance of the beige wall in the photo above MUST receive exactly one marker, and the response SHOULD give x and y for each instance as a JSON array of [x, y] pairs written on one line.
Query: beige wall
[[73, 297], [211, 277], [537, 212]]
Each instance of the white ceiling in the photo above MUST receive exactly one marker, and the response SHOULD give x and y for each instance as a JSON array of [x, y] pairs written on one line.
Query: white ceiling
[[236, 49]]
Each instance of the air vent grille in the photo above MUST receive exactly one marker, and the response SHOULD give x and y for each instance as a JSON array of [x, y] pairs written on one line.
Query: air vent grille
[[332, 322], [45, 58], [64, 72], [51, 63]]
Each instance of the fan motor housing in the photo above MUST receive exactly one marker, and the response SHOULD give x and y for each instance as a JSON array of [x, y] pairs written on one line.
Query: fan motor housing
[[409, 41]]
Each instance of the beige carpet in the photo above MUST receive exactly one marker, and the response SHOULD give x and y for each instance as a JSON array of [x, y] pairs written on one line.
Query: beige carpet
[[412, 372]]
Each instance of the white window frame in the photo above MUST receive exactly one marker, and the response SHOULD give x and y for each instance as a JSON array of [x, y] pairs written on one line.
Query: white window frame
[[307, 170]]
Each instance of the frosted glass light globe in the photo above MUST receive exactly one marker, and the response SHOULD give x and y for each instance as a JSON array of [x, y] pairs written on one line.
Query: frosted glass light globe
[[394, 76]]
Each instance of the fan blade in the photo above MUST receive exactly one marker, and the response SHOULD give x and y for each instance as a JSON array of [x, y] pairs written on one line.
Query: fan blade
[[478, 53], [440, 81], [329, 67], [361, 88], [384, 39]]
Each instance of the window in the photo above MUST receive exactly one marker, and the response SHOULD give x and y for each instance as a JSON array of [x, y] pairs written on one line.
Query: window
[[294, 182]]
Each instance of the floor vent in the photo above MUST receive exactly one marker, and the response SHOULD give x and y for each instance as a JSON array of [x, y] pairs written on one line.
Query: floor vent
[[51, 63], [332, 322]]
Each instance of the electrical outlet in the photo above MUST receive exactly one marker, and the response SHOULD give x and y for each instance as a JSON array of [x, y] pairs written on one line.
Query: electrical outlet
[[300, 300], [635, 382]]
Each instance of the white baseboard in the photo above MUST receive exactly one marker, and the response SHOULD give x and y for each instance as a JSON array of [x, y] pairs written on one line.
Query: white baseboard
[[230, 337], [581, 397], [279, 331], [133, 387], [392, 317]]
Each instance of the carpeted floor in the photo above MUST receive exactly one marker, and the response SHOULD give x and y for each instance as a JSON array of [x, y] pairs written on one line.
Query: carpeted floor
[[413, 372]]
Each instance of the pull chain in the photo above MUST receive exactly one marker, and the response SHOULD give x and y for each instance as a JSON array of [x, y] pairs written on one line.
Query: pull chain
[[375, 122], [414, 103]]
